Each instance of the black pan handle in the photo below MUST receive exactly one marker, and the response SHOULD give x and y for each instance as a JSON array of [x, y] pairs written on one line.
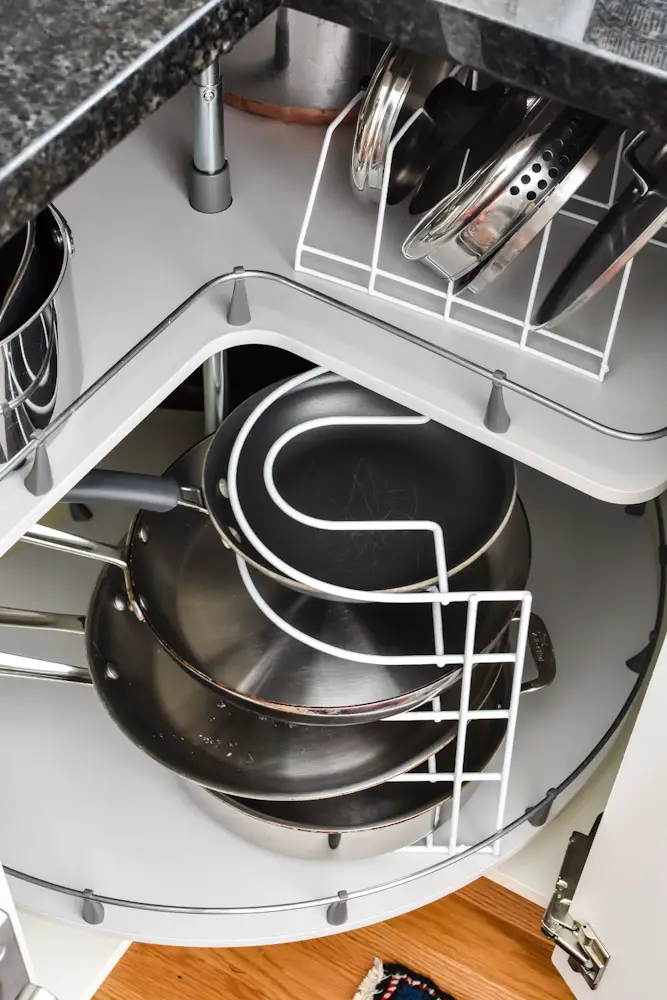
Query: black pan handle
[[542, 652], [129, 489]]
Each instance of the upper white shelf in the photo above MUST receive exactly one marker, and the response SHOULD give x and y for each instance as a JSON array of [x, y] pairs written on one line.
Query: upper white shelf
[[141, 250]]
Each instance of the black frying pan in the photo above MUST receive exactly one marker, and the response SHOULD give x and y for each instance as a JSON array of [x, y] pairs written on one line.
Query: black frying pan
[[420, 472]]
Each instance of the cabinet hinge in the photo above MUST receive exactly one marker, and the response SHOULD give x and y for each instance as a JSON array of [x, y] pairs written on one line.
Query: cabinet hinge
[[587, 954]]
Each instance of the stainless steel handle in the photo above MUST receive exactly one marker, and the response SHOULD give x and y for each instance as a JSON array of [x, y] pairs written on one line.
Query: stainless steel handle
[[47, 620], [76, 545], [65, 231], [542, 652], [12, 665]]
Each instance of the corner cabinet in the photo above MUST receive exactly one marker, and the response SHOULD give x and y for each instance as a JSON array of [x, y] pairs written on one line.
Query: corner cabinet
[[100, 843]]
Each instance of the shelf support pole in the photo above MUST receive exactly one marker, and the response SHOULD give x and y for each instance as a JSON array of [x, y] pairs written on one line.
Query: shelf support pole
[[209, 185]]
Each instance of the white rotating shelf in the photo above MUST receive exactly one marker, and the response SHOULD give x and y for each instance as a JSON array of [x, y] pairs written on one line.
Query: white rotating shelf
[[141, 250], [81, 806]]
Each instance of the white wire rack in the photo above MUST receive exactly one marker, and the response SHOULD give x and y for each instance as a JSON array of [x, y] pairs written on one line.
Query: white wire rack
[[501, 312], [438, 597]]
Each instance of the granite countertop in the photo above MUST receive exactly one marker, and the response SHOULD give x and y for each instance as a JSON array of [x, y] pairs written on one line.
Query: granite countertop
[[76, 77]]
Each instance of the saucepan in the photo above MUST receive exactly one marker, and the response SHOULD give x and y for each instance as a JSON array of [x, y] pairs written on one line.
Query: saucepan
[[40, 363], [185, 585], [191, 729], [342, 453], [296, 68]]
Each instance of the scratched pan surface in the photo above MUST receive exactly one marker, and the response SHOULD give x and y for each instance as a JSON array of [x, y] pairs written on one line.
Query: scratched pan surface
[[189, 728]]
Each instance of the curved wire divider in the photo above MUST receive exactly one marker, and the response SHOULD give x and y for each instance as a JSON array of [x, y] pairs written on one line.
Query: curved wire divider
[[438, 596]]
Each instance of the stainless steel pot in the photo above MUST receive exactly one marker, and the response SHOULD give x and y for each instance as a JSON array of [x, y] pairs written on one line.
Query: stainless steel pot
[[296, 68], [41, 368]]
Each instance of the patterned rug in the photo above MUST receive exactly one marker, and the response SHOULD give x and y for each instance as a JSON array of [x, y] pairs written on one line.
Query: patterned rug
[[391, 981]]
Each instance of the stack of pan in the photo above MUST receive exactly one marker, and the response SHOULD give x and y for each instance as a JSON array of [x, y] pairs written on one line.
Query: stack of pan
[[191, 629]]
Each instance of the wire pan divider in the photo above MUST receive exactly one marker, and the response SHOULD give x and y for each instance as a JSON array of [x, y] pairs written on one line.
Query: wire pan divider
[[438, 597], [474, 310]]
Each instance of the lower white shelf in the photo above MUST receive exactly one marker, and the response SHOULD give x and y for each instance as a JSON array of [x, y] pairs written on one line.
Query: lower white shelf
[[84, 808]]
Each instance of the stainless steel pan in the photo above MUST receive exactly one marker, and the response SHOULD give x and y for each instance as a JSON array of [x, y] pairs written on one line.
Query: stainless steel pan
[[183, 582], [192, 730], [363, 824], [40, 364], [296, 68]]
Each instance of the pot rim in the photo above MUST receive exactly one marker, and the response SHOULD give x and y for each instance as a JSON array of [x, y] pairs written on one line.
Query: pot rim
[[67, 247]]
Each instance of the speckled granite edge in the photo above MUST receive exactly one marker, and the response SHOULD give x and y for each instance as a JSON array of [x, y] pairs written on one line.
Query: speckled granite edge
[[81, 143], [594, 80]]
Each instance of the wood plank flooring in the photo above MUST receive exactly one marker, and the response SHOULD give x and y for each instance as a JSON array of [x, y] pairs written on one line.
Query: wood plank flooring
[[482, 943]]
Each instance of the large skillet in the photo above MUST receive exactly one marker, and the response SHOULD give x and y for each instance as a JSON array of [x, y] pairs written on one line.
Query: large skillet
[[402, 472], [190, 729], [370, 822], [185, 584]]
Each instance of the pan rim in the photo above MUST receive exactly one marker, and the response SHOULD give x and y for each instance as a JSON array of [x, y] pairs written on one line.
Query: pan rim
[[369, 711], [369, 827], [444, 732]]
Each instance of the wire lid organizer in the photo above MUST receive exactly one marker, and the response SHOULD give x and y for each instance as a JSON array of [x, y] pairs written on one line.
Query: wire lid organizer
[[504, 313], [438, 597]]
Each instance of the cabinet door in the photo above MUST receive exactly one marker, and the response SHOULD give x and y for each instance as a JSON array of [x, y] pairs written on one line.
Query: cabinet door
[[622, 890], [15, 966]]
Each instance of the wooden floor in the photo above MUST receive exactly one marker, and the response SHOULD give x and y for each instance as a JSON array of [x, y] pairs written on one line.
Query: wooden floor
[[482, 943]]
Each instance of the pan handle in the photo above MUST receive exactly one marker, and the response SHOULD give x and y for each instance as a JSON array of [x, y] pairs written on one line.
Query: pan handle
[[13, 665], [542, 652], [134, 489], [46, 670], [46, 620], [75, 545]]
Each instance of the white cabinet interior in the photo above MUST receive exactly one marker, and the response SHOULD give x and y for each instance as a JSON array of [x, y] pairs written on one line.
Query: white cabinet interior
[[118, 822]]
